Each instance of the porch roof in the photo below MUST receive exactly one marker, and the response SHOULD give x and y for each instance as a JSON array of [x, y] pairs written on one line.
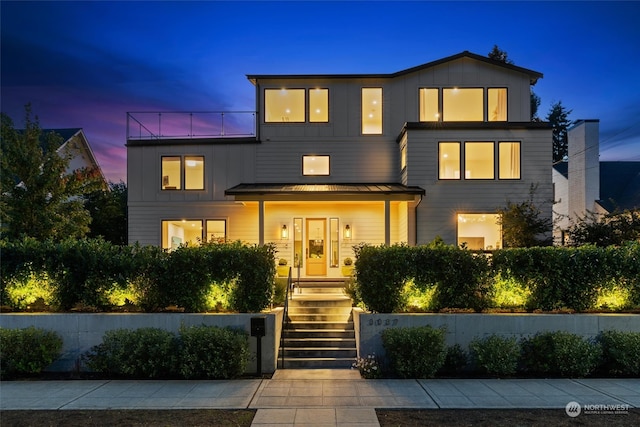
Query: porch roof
[[355, 191]]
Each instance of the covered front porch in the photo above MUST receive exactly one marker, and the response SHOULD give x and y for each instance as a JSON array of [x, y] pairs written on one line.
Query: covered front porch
[[314, 227]]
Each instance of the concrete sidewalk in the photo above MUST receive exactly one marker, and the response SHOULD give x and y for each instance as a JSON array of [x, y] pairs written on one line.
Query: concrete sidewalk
[[328, 397]]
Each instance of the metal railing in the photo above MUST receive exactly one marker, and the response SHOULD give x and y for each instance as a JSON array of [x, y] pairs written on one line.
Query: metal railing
[[181, 125], [285, 316]]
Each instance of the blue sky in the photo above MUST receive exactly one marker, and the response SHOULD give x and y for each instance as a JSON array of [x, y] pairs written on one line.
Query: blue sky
[[85, 64]]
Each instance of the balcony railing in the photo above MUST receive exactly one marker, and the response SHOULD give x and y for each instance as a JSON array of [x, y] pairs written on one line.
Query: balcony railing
[[186, 125]]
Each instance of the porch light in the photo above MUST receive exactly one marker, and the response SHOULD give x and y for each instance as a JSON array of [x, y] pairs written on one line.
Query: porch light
[[284, 233], [347, 232]]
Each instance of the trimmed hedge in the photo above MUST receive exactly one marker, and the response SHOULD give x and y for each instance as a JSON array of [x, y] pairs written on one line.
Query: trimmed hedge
[[200, 352], [417, 352], [27, 351], [560, 354], [495, 355], [549, 278], [87, 272], [620, 353]]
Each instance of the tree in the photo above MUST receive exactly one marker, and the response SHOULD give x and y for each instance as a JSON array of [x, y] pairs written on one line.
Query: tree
[[37, 197], [523, 225], [614, 228], [559, 118], [500, 55], [108, 209]]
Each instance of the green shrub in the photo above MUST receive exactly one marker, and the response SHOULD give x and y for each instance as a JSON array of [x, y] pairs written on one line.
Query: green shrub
[[138, 353], [27, 351], [620, 352], [455, 361], [560, 354], [416, 352], [211, 352], [495, 355]]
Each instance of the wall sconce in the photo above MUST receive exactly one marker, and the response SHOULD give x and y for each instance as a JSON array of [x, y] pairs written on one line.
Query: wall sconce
[[347, 232], [284, 233]]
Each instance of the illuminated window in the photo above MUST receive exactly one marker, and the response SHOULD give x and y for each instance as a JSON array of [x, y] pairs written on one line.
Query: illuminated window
[[429, 105], [509, 158], [497, 99], [462, 105], [318, 105], [284, 105], [194, 173], [216, 230], [449, 160], [478, 160], [479, 231], [171, 173], [180, 232], [371, 111], [403, 157], [315, 165]]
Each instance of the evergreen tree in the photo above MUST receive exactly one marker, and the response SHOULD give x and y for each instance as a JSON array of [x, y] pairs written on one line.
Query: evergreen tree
[[559, 118], [37, 197]]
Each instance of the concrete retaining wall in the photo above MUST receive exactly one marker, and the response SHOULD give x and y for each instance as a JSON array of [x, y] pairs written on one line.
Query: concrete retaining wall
[[462, 328], [81, 331]]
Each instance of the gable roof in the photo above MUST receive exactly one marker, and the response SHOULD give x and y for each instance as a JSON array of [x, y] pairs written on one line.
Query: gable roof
[[619, 185], [533, 75]]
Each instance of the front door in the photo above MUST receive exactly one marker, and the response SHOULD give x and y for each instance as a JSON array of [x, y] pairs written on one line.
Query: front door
[[316, 247]]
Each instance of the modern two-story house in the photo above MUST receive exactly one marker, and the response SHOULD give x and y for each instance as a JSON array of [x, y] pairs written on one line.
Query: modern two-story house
[[335, 160]]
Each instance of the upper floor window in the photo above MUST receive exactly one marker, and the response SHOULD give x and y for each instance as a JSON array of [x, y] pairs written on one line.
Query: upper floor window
[[173, 168], [315, 165], [509, 155], [318, 105], [429, 109], [478, 160], [371, 110], [284, 105], [497, 104], [403, 157], [462, 104], [449, 160]]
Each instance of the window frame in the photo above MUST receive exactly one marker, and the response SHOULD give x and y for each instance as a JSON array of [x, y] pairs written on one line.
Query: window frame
[[460, 154], [519, 161], [484, 249], [493, 157], [184, 168], [309, 112], [179, 187], [274, 89], [169, 220], [316, 174], [438, 104], [183, 172], [362, 115], [506, 89], [206, 227], [482, 103]]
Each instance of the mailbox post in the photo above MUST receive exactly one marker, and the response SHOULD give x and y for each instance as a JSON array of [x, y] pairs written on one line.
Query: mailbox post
[[258, 327]]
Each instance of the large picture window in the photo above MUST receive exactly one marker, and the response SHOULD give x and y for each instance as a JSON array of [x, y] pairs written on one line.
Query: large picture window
[[371, 111], [180, 232], [318, 105], [463, 105], [284, 105], [478, 160], [479, 231], [449, 160], [509, 159], [429, 109]]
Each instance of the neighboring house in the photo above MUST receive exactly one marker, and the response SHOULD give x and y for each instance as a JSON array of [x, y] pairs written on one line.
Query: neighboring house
[[76, 144], [336, 160], [582, 183]]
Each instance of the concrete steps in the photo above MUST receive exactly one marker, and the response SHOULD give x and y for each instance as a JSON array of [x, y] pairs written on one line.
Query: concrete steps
[[319, 333]]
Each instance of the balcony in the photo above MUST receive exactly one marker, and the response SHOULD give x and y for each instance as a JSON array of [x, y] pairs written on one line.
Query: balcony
[[142, 125]]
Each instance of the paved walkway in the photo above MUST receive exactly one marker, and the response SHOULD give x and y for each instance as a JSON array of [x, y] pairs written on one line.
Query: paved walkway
[[318, 397]]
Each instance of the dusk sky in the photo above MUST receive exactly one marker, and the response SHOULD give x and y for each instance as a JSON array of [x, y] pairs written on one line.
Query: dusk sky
[[86, 64]]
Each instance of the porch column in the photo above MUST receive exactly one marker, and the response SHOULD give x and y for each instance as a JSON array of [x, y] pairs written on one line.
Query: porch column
[[387, 222], [261, 222]]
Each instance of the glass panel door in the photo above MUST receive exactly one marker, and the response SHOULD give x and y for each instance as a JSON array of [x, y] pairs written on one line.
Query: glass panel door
[[316, 248]]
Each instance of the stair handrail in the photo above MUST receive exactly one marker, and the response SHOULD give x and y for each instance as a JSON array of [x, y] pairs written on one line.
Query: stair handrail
[[285, 317]]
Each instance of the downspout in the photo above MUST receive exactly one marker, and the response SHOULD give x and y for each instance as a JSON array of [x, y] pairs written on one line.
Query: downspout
[[415, 220], [257, 118]]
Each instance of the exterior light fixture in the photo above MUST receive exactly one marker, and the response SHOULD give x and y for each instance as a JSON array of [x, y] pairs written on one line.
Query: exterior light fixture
[[284, 233], [347, 232]]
